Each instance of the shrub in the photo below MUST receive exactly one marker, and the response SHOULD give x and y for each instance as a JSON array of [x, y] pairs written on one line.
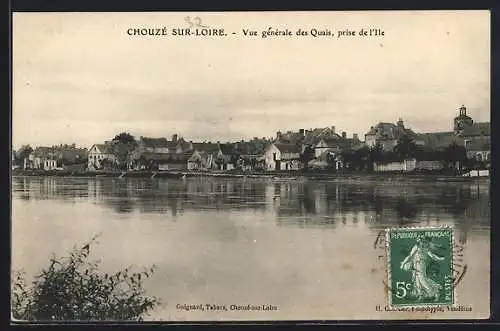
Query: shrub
[[73, 288]]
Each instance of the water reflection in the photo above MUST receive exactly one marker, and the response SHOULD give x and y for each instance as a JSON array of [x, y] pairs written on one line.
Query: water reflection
[[304, 204]]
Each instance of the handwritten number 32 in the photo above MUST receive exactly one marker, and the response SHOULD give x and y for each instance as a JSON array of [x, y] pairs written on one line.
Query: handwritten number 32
[[196, 22]]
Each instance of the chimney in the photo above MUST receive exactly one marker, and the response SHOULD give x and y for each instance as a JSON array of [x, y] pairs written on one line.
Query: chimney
[[278, 135], [400, 123], [174, 137], [333, 128], [301, 132], [344, 135], [355, 136]]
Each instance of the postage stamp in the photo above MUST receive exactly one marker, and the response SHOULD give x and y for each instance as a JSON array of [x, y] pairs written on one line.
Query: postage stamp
[[420, 266]]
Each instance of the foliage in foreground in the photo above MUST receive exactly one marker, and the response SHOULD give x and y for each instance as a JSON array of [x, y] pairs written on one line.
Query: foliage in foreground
[[73, 288]]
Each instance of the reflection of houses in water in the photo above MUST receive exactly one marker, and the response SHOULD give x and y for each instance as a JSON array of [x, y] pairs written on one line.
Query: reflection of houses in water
[[94, 189], [42, 188], [287, 203], [375, 205]]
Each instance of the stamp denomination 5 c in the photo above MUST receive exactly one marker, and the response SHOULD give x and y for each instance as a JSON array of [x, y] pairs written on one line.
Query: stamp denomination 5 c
[[420, 266]]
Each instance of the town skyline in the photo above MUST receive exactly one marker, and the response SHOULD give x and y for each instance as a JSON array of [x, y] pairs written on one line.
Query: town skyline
[[214, 139], [77, 77]]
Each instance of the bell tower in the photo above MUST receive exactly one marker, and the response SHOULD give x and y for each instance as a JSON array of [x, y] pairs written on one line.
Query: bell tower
[[462, 120]]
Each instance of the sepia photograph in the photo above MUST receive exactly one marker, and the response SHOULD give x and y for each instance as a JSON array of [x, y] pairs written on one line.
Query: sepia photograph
[[250, 166]]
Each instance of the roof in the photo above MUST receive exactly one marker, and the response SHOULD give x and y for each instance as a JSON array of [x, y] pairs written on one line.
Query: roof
[[309, 137], [288, 148], [105, 148], [206, 147], [290, 137], [155, 142], [43, 151], [184, 145], [313, 136], [63, 151], [389, 131], [227, 148], [477, 129], [438, 140], [172, 144], [255, 147], [463, 117], [478, 145], [355, 144], [343, 143]]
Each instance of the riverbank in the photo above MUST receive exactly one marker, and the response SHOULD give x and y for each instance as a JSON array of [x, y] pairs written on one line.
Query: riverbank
[[293, 175]]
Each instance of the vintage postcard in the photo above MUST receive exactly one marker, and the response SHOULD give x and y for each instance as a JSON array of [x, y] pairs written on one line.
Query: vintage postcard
[[251, 166]]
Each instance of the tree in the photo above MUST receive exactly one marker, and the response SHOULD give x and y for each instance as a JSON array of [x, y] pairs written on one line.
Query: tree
[[123, 144], [73, 288], [356, 159], [376, 153], [24, 152], [125, 138], [406, 147], [455, 154], [307, 156], [363, 158]]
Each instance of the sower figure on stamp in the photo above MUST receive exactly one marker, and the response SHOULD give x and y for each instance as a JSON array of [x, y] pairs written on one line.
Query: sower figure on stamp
[[417, 262]]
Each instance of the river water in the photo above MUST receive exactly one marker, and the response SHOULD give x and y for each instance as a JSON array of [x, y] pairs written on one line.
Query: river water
[[305, 248]]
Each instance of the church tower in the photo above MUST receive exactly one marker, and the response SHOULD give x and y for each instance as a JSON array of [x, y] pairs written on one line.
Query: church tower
[[462, 120]]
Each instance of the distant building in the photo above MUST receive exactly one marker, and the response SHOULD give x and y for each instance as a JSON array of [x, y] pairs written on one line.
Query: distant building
[[251, 154], [478, 149], [475, 137], [438, 141], [307, 137], [335, 145], [101, 156], [159, 161], [280, 156], [159, 154], [200, 160], [332, 148], [157, 145], [387, 134], [42, 158], [225, 157]]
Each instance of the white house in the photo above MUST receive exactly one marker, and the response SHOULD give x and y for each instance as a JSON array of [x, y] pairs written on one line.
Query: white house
[[282, 157], [200, 160], [35, 162], [479, 149], [98, 153]]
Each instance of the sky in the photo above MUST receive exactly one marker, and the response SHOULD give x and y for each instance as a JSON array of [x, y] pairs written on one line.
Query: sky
[[80, 78]]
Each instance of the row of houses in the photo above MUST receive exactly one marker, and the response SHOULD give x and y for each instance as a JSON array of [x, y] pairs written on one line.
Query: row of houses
[[61, 157], [282, 153], [474, 136], [175, 154], [286, 151]]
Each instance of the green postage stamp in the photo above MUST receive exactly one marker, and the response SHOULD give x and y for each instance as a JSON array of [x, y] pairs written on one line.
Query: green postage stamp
[[420, 266]]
